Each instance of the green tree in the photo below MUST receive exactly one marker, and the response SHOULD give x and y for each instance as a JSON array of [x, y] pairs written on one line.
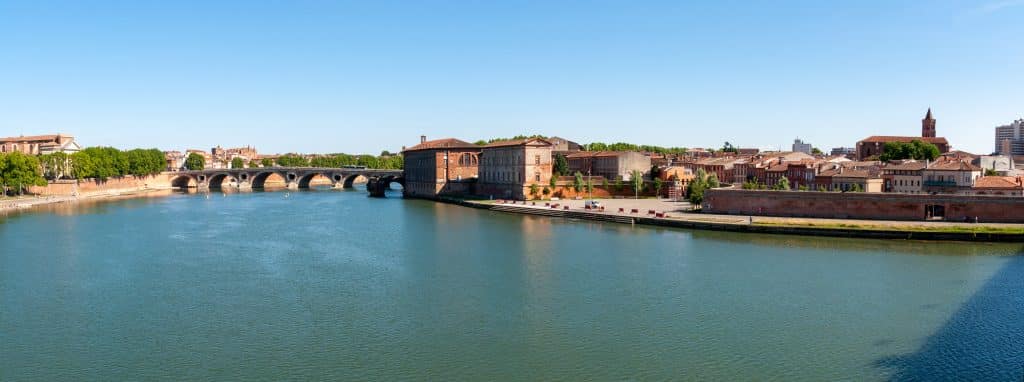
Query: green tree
[[637, 179], [915, 149], [194, 162], [546, 191], [577, 182], [822, 188], [604, 184], [534, 190], [729, 148], [712, 181], [20, 171], [237, 162], [816, 151], [561, 164], [991, 172], [254, 163], [655, 171], [695, 189], [553, 182], [802, 187], [618, 185], [782, 184], [856, 188], [292, 160], [56, 166], [658, 185], [267, 162], [590, 186]]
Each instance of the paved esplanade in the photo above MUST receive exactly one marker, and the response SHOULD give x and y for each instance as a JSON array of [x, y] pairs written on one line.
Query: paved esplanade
[[294, 177]]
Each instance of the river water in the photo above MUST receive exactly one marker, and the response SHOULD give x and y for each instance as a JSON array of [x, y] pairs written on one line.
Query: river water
[[332, 285]]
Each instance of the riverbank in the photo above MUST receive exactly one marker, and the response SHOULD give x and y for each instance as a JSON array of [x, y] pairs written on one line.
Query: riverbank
[[28, 202], [670, 214]]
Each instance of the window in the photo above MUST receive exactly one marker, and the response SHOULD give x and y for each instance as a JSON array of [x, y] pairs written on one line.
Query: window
[[536, 159], [536, 177]]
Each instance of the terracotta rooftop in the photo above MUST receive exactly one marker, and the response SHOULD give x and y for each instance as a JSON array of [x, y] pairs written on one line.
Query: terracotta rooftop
[[887, 138], [593, 154], [906, 166], [518, 142], [1004, 182], [954, 166], [51, 137], [446, 143], [854, 174]]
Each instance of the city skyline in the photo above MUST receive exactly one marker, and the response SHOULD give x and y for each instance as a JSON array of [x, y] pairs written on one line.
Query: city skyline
[[361, 78]]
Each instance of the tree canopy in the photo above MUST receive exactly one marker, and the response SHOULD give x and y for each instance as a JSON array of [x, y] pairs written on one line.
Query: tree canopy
[[916, 149], [19, 171], [195, 162], [621, 146]]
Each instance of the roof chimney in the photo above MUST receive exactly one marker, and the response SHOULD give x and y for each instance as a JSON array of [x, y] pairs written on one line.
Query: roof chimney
[[423, 138]]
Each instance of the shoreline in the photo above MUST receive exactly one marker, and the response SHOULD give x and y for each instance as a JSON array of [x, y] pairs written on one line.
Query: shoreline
[[901, 230], [744, 224], [28, 203]]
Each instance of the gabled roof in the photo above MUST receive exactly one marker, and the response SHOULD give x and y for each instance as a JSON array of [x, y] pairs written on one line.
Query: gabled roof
[[888, 138], [595, 154], [906, 166], [519, 142], [446, 143], [954, 166], [1000, 182], [33, 138]]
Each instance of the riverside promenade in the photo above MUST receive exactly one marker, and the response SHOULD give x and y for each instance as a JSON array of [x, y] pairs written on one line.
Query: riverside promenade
[[664, 212]]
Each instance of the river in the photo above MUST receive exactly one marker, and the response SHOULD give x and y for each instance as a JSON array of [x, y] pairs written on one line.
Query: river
[[333, 285]]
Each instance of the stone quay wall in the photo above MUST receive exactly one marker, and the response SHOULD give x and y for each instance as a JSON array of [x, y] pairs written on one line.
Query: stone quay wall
[[992, 209], [88, 187]]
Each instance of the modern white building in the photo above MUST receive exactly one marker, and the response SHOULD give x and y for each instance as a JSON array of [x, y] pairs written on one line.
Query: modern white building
[[801, 146], [1010, 138]]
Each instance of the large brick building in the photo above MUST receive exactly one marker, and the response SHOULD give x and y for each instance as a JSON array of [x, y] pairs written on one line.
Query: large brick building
[[612, 165], [440, 167], [509, 168], [873, 146], [39, 144]]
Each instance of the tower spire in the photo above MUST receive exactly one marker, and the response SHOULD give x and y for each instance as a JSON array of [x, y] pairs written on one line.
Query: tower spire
[[928, 125]]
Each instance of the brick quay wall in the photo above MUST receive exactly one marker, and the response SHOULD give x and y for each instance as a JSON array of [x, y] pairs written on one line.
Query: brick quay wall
[[833, 205]]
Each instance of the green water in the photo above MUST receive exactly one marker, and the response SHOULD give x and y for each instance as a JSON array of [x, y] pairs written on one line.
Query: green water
[[332, 285]]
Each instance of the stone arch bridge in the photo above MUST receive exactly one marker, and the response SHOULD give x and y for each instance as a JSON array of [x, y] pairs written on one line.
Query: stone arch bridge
[[294, 178]]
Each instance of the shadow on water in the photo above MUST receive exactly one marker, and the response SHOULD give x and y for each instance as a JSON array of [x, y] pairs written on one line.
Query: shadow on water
[[982, 341]]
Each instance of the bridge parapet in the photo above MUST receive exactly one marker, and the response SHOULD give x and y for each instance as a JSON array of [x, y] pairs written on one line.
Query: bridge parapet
[[293, 178]]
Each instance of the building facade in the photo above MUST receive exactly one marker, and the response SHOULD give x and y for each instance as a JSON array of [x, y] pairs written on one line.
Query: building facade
[[440, 167], [40, 144], [612, 165], [802, 147], [949, 177], [1010, 138], [872, 147], [904, 178], [508, 169]]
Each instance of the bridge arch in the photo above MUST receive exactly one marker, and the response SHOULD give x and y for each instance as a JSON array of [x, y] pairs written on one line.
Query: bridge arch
[[184, 182], [259, 180], [307, 178], [217, 180], [350, 179]]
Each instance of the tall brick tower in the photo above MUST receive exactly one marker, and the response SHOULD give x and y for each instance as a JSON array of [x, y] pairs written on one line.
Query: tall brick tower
[[928, 125]]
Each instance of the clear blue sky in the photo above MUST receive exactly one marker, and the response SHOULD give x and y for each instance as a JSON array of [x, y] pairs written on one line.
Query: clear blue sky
[[331, 76]]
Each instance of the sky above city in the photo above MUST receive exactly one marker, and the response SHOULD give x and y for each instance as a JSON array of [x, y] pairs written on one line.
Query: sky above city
[[361, 77]]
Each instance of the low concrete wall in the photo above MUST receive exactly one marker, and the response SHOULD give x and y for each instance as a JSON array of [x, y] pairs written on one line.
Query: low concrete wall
[[993, 209]]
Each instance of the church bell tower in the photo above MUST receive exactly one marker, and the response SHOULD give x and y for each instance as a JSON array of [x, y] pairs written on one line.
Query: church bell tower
[[928, 125]]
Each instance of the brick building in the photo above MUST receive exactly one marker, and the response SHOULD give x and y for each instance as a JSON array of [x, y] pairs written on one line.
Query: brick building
[[904, 177], [873, 146], [40, 144], [441, 167], [998, 185], [612, 165], [509, 168], [949, 177]]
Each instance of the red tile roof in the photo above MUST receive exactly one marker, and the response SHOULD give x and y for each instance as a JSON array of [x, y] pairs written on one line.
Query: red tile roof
[[447, 143], [518, 142], [1001, 182], [954, 166], [887, 138]]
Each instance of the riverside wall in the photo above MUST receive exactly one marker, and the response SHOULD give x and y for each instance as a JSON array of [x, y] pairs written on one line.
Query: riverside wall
[[90, 187], [878, 206]]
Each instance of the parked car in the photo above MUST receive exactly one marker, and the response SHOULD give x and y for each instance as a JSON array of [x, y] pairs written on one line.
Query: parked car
[[592, 204]]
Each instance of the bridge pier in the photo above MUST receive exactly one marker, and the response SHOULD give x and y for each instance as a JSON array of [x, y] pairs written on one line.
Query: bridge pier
[[292, 185]]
